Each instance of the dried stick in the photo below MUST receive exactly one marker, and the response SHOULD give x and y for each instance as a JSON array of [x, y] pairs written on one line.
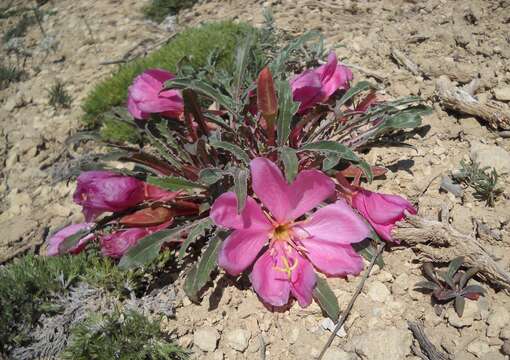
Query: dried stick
[[348, 309], [375, 74], [440, 242], [460, 100], [429, 350], [405, 61]]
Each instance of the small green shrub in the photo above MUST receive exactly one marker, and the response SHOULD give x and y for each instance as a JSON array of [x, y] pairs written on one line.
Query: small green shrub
[[194, 43], [118, 131], [26, 286], [123, 336], [157, 10], [58, 96]]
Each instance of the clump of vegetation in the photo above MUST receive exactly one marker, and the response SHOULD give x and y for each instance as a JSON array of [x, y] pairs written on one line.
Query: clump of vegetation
[[124, 336], [194, 44], [9, 74], [26, 286], [58, 96], [20, 28], [157, 10], [484, 181], [451, 285]]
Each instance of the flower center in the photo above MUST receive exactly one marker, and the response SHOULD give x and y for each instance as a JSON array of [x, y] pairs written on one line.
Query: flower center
[[281, 232]]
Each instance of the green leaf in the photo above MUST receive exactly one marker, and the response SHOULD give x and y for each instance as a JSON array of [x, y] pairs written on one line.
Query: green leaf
[[173, 183], [240, 187], [290, 162], [71, 241], [242, 60], [147, 249], [233, 149], [199, 230], [454, 266], [210, 176], [343, 151], [367, 249], [409, 118], [203, 88], [278, 64], [330, 161], [460, 302], [326, 299], [355, 90], [287, 108], [201, 272]]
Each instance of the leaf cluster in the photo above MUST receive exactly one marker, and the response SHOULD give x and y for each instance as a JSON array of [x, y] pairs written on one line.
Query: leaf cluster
[[9, 74], [20, 28], [451, 284], [121, 335], [483, 180], [58, 95]]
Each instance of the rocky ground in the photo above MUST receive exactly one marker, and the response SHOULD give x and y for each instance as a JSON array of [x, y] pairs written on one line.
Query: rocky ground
[[460, 40]]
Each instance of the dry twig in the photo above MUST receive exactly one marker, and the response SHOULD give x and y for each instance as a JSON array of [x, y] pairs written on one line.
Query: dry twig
[[440, 242], [460, 100], [403, 60], [347, 310], [427, 348]]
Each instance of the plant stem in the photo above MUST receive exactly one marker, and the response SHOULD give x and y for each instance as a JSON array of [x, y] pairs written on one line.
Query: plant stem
[[347, 310]]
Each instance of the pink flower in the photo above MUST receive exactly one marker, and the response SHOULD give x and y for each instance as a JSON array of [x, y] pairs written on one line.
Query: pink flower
[[317, 85], [294, 247], [102, 191], [146, 96], [56, 239], [116, 244], [381, 210]]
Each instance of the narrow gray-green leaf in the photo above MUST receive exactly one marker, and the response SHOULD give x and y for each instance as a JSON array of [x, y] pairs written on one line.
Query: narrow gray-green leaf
[[330, 161], [355, 90], [210, 176], [199, 230], [173, 183], [326, 299], [233, 149], [290, 162], [71, 241], [241, 187], [147, 249], [332, 146], [366, 249], [242, 58], [286, 110], [454, 266], [201, 272]]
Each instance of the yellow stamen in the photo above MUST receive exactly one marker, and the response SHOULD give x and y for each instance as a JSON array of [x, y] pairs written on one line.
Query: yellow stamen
[[287, 269]]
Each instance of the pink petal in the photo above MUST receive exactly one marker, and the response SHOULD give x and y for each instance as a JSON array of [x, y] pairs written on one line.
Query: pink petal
[[158, 75], [386, 208], [54, 241], [270, 284], [303, 281], [309, 189], [224, 213], [134, 110], [306, 89], [333, 76], [335, 223], [333, 259], [160, 104], [240, 249], [271, 188]]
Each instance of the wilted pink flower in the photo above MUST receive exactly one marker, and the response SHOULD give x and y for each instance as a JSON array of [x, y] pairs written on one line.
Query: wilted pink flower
[[116, 244], [146, 96], [101, 191], [294, 246], [317, 85], [381, 210], [56, 239]]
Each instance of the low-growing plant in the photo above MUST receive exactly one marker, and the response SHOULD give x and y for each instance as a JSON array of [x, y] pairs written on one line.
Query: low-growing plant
[[20, 28], [237, 160], [483, 180], [157, 10], [9, 74], [195, 44], [451, 284], [121, 335], [58, 95]]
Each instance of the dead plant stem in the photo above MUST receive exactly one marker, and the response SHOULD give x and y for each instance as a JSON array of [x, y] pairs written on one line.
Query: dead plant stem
[[348, 309]]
